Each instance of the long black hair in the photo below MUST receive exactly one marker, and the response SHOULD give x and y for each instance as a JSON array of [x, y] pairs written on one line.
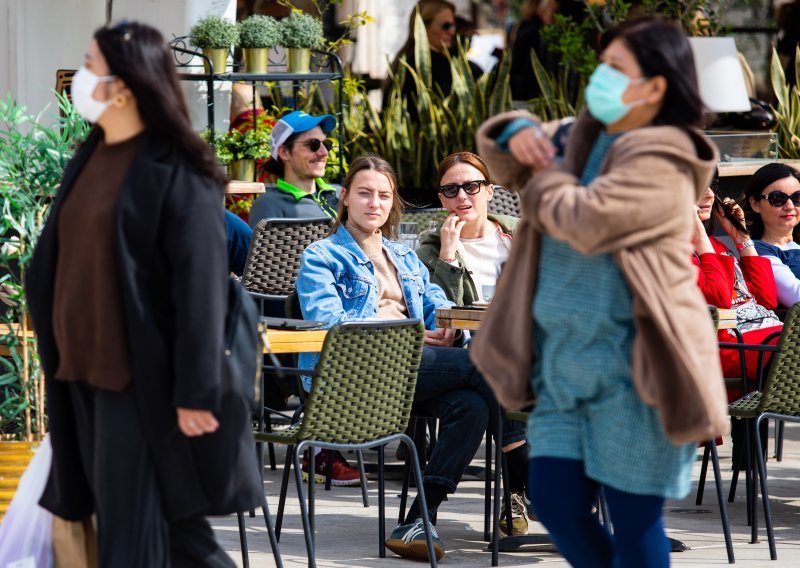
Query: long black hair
[[760, 180], [138, 55], [661, 48]]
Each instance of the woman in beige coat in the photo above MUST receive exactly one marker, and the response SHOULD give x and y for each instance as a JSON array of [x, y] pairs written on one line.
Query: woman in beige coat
[[598, 309]]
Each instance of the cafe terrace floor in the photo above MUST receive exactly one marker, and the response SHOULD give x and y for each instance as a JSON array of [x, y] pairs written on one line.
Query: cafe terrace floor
[[347, 533]]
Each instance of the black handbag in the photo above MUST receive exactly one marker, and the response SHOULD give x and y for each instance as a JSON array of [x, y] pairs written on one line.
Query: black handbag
[[232, 481]]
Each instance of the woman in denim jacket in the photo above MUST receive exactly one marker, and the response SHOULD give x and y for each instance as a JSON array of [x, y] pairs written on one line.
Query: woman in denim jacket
[[358, 273]]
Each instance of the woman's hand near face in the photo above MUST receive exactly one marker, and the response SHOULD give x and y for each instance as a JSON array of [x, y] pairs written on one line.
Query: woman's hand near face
[[196, 422], [702, 244], [440, 337], [531, 147], [450, 235], [737, 236]]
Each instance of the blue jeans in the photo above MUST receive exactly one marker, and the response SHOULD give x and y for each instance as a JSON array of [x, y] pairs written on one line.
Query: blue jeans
[[562, 497], [450, 388]]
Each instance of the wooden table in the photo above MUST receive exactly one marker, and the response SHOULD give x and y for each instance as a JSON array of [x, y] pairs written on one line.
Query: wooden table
[[459, 318], [281, 341], [727, 318], [306, 341]]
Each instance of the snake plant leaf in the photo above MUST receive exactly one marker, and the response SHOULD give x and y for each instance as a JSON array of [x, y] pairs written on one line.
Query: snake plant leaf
[[422, 52], [500, 99], [797, 65], [778, 78]]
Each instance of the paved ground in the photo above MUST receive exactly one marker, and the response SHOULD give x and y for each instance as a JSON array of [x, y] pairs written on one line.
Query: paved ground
[[347, 533]]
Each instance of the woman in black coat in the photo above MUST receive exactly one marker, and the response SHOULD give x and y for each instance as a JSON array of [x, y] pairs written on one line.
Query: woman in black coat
[[127, 290]]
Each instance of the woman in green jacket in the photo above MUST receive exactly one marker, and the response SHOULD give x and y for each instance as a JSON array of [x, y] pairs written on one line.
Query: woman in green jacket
[[465, 253]]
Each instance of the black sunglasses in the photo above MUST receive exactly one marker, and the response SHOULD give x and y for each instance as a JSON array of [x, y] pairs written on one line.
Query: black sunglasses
[[778, 198], [469, 187], [447, 26], [314, 143]]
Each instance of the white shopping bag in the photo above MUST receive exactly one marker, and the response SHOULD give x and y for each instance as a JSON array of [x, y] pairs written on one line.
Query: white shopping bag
[[26, 531]]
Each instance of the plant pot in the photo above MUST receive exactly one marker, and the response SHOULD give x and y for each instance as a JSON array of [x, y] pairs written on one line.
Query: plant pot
[[298, 60], [256, 60], [242, 170], [218, 57], [14, 458]]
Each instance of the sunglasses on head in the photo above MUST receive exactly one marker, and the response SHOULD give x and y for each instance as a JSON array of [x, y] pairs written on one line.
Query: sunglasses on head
[[313, 144], [778, 198], [447, 26], [469, 187]]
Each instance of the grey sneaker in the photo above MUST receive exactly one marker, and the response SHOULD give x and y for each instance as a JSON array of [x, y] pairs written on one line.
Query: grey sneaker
[[408, 541]]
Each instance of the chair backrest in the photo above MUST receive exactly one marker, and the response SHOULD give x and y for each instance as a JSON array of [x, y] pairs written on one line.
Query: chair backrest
[[364, 382], [504, 202], [273, 259], [781, 391], [423, 217]]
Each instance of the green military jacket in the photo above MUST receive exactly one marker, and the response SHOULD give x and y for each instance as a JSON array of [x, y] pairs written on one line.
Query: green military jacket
[[456, 281]]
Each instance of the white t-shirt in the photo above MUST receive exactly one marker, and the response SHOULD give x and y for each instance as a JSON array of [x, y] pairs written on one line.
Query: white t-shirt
[[484, 257]]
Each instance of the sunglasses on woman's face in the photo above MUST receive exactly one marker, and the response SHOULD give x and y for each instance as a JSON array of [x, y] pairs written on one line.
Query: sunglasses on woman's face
[[778, 198], [447, 26], [470, 188]]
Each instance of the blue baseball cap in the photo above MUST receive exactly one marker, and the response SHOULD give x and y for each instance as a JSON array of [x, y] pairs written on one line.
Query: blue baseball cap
[[296, 122]]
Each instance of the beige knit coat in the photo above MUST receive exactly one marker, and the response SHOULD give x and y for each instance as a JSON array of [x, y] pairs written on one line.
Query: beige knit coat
[[639, 209]]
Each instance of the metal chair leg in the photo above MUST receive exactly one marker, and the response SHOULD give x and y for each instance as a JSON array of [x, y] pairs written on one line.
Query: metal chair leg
[[363, 477], [243, 540], [711, 448], [273, 538], [498, 469], [701, 485], [762, 474], [287, 467], [779, 427], [381, 503], [748, 464], [308, 530], [487, 489]]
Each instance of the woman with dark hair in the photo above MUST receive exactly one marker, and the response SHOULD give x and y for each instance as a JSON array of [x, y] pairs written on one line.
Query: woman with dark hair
[[597, 310], [128, 292], [745, 285], [772, 209], [465, 253], [360, 272]]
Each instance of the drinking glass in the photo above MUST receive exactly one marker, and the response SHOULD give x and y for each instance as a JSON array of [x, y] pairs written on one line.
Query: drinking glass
[[408, 234], [487, 290]]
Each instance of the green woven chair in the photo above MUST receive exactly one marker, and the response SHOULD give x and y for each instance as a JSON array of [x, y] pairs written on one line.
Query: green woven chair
[[779, 398], [361, 398]]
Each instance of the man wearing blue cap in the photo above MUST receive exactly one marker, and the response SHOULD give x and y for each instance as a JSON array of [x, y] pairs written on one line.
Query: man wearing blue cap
[[299, 150]]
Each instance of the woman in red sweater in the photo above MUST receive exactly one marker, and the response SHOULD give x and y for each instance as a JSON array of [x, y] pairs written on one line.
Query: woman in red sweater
[[745, 284]]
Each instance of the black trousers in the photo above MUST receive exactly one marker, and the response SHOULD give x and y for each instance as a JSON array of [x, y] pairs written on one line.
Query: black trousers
[[131, 528]]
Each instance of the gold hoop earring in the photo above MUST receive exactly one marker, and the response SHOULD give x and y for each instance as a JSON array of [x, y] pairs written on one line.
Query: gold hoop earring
[[119, 100]]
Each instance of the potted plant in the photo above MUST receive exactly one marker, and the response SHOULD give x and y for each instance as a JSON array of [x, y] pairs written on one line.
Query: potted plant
[[299, 34], [256, 35], [239, 151], [787, 109], [215, 36], [33, 153]]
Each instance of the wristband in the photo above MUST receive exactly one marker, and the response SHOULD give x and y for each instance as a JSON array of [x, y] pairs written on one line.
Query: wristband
[[747, 243], [448, 260]]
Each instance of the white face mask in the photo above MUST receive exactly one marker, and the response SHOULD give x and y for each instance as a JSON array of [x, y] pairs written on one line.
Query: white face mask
[[83, 85]]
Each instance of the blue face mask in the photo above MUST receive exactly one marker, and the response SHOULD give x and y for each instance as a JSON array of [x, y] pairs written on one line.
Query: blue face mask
[[604, 94]]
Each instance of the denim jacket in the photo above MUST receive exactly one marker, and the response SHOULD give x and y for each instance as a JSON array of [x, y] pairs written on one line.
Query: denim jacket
[[337, 283]]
